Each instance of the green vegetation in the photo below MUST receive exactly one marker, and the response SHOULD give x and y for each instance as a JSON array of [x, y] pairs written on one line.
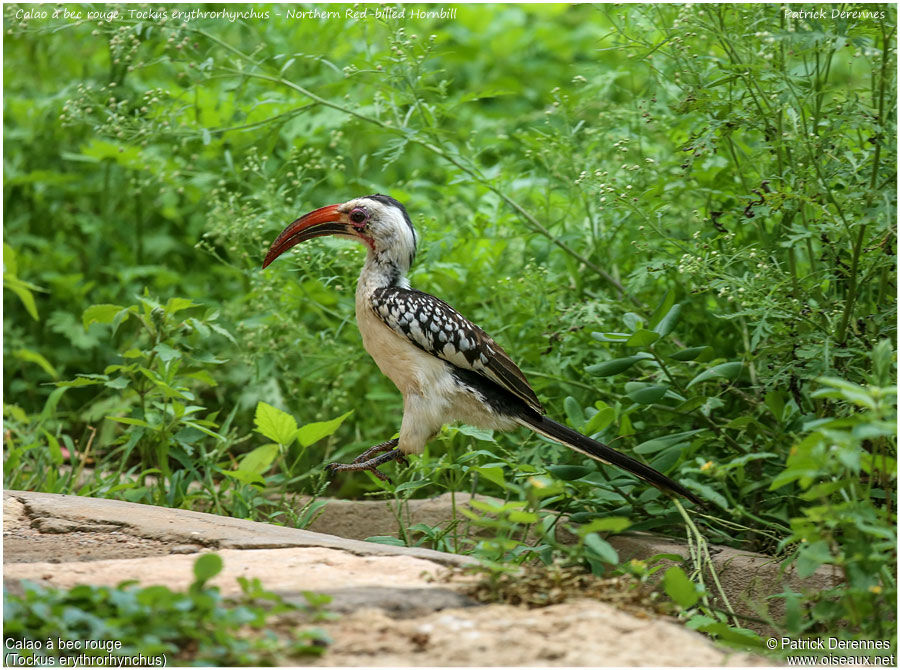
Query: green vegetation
[[156, 626], [679, 220]]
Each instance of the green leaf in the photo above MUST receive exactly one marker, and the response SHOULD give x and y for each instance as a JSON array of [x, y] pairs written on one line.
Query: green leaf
[[492, 474], [679, 588], [574, 412], [207, 566], [660, 443], [165, 352], [313, 432], [34, 357], [260, 459], [601, 548], [569, 473], [611, 337], [668, 322], [56, 456], [729, 371], [244, 476], [811, 556], [129, 420], [386, 539], [740, 638], [662, 309], [689, 354], [632, 321], [706, 492], [275, 424], [616, 365], [642, 338], [177, 304], [610, 524], [600, 421], [24, 291], [775, 402], [100, 314], [521, 516], [484, 434], [649, 394]]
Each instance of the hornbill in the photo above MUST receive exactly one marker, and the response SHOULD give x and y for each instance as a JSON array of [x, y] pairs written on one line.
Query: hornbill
[[447, 368]]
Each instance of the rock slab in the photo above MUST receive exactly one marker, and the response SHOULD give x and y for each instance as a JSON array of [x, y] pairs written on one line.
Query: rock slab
[[394, 613]]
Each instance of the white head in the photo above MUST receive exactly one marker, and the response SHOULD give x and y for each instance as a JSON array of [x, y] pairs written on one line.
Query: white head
[[378, 221]]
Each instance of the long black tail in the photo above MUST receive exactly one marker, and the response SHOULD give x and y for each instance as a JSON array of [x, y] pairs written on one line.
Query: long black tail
[[575, 440]]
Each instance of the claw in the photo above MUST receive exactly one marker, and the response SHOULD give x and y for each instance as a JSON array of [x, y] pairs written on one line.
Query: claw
[[366, 462]]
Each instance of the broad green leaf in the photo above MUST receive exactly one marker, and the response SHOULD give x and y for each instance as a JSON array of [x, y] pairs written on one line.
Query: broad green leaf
[[691, 404], [775, 402], [520, 516], [177, 304], [118, 383], [260, 459], [24, 291], [484, 434], [615, 366], [669, 321], [642, 338], [632, 321], [706, 492], [679, 588], [649, 394], [100, 314], [313, 432], [729, 371], [412, 485], [601, 548], [275, 424], [574, 412], [610, 524], [493, 474], [811, 556], [56, 456], [165, 352], [662, 309], [611, 337], [245, 477], [740, 638], [207, 566], [129, 420], [568, 473], [600, 421], [689, 354], [34, 357]]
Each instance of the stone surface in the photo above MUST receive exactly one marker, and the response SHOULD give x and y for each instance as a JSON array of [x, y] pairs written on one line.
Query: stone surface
[[287, 570], [179, 527], [395, 613], [747, 578], [578, 633]]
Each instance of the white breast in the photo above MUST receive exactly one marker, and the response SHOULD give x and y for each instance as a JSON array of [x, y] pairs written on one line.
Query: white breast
[[432, 396]]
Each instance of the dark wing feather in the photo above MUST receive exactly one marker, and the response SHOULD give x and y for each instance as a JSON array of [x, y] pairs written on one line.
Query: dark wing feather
[[435, 327]]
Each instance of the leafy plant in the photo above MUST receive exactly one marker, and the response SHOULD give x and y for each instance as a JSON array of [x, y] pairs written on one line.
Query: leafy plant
[[157, 624], [845, 470]]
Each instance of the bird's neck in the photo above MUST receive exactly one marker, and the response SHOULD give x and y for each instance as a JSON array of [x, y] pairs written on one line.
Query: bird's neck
[[381, 270]]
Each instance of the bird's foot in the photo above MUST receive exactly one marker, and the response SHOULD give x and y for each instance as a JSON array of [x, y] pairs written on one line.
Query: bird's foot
[[369, 453], [368, 461]]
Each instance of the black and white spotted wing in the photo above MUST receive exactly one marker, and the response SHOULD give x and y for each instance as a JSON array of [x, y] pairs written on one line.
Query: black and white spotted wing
[[435, 327]]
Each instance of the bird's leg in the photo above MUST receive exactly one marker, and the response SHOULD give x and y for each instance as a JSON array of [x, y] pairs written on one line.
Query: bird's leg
[[377, 449], [368, 461]]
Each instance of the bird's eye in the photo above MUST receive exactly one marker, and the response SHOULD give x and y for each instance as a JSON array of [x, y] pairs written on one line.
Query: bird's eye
[[358, 216]]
